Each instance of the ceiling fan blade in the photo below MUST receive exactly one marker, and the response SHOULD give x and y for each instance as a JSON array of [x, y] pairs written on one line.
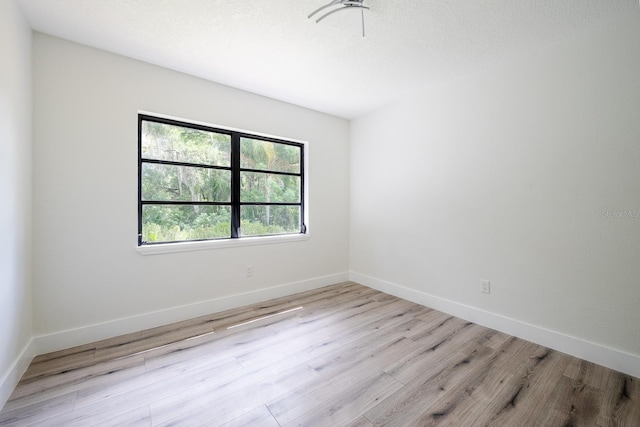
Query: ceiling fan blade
[[331, 3], [339, 9]]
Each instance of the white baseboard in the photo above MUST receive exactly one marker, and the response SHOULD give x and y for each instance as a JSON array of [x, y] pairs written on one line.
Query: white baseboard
[[90, 333], [14, 373], [592, 352]]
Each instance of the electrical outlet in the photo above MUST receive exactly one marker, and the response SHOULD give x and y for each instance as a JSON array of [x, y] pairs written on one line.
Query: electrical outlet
[[248, 270], [485, 286]]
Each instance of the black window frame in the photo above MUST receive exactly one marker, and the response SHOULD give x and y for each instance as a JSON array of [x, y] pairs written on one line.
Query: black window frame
[[235, 168]]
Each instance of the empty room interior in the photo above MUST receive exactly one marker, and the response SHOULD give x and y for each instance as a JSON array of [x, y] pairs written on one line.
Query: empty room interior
[[422, 213]]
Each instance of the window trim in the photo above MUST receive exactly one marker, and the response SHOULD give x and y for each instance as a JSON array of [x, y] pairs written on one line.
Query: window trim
[[235, 204], [200, 245]]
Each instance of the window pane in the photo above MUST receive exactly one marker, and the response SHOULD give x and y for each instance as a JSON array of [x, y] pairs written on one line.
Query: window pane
[[261, 220], [168, 223], [183, 183], [182, 144], [264, 155], [266, 187]]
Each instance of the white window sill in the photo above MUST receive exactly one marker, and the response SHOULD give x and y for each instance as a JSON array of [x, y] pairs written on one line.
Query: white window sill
[[167, 248]]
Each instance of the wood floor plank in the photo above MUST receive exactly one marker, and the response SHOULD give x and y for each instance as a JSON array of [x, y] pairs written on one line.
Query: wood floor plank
[[294, 351], [388, 347], [76, 377], [318, 393], [482, 402], [259, 417], [159, 338], [149, 390], [620, 400], [449, 339], [99, 402], [361, 422], [523, 397], [209, 352], [59, 364], [50, 392], [341, 355], [34, 413], [315, 298], [341, 317], [230, 401], [496, 339], [426, 388], [138, 417], [67, 352], [529, 392], [346, 405], [575, 404], [136, 387]]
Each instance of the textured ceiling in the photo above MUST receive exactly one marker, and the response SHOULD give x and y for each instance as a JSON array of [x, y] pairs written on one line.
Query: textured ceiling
[[269, 47]]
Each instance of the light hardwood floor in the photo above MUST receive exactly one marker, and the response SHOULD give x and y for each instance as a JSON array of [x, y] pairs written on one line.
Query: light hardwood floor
[[343, 355]]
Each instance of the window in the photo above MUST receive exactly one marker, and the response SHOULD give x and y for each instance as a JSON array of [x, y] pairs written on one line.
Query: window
[[197, 183]]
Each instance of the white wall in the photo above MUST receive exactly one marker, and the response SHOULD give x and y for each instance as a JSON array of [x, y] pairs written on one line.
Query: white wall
[[15, 196], [89, 280], [510, 174]]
